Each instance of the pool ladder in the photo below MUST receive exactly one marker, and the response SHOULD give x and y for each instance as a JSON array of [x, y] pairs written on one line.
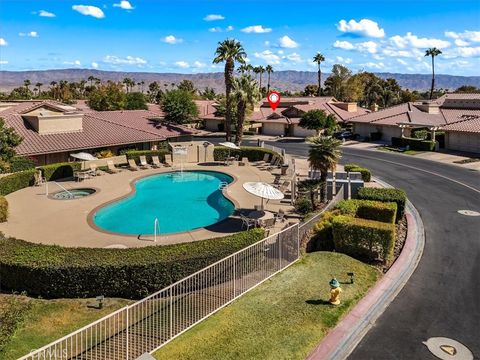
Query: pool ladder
[[222, 185]]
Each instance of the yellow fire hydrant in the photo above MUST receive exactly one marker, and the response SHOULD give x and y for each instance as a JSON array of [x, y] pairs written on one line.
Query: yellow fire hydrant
[[335, 292]]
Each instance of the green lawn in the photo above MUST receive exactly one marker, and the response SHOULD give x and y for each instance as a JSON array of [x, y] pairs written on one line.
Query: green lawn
[[36, 322], [284, 318], [406, 152]]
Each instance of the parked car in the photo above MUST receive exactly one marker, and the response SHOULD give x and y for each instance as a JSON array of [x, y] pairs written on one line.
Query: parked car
[[345, 135]]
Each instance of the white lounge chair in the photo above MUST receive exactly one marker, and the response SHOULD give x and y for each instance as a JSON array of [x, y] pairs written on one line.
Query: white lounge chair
[[156, 162], [247, 222], [111, 167], [132, 165], [143, 162]]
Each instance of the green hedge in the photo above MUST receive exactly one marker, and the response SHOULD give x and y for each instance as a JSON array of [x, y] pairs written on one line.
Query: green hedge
[[369, 209], [52, 271], [414, 144], [3, 209], [57, 171], [366, 174], [385, 195], [16, 181], [253, 153], [21, 163], [135, 154], [322, 238], [361, 238]]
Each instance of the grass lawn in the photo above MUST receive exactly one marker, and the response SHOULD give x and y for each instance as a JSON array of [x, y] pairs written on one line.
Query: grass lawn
[[36, 322], [406, 152], [284, 318]]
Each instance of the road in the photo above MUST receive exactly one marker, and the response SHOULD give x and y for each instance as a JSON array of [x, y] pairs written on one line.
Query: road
[[442, 298]]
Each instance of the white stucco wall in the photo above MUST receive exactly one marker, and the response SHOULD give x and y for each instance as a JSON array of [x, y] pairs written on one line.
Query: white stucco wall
[[301, 132], [277, 129], [461, 141], [212, 125]]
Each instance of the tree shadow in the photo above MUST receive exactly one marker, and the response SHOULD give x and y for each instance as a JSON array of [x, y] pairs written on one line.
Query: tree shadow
[[317, 302]]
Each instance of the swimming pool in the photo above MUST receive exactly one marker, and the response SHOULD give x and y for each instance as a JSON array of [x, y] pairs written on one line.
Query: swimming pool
[[181, 201]]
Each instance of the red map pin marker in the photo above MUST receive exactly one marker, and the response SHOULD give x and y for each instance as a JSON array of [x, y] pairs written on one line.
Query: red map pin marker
[[273, 99]]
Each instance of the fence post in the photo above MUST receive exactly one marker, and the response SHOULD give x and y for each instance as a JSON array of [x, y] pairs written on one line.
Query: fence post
[[171, 313], [234, 275], [280, 251], [128, 340]]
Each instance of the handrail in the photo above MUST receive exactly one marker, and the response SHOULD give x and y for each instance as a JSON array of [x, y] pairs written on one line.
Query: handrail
[[60, 186], [156, 225]]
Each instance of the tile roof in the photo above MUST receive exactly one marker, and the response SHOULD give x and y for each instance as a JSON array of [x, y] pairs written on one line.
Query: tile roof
[[100, 129]]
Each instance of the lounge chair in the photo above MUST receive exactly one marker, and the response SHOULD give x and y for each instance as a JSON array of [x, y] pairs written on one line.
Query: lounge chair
[[244, 161], [264, 161], [247, 222], [168, 160], [280, 216], [156, 162], [132, 165], [143, 162], [274, 164], [93, 169], [283, 186], [111, 167]]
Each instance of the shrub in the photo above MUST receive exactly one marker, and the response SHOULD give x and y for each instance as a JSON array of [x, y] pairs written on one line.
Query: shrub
[[21, 163], [414, 144], [369, 209], [52, 271], [16, 181], [366, 174], [375, 136], [103, 154], [4, 167], [385, 195], [135, 154], [322, 239], [253, 153], [57, 171], [13, 312], [3, 209], [361, 238], [303, 206]]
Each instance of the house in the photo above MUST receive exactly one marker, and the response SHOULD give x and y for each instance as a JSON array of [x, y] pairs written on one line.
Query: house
[[458, 115], [284, 121], [51, 131]]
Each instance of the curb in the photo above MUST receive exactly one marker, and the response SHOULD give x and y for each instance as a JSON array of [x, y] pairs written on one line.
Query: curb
[[343, 339]]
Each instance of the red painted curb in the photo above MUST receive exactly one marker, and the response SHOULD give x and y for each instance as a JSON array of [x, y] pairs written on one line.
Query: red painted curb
[[334, 337]]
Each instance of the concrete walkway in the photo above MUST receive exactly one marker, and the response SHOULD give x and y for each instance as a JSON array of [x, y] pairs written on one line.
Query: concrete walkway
[[37, 218]]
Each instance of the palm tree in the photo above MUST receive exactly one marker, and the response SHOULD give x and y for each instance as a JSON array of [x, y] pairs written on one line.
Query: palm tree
[[269, 70], [261, 70], [39, 87], [91, 78], [244, 68], [27, 83], [323, 155], [318, 59], [245, 93], [229, 51], [432, 52]]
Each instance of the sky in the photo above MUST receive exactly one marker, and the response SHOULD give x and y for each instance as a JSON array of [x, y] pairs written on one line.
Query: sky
[[181, 35]]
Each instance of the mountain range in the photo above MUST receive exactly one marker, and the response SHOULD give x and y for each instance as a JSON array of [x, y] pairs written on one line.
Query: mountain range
[[280, 80]]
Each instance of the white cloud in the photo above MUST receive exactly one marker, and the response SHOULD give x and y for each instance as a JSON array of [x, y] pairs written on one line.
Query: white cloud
[[410, 40], [198, 64], [3, 62], [286, 42], [89, 10], [170, 39], [45, 13], [229, 28], [373, 65], [125, 5], [403, 62], [268, 56], [219, 29], [94, 65], [294, 57], [466, 36], [129, 60], [3, 42], [464, 52], [257, 29], [410, 53], [344, 60], [346, 45], [364, 27], [182, 64], [213, 17], [32, 34], [267, 43], [460, 42], [76, 63]]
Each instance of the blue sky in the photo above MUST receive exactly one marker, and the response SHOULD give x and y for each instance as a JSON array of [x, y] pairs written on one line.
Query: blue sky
[[181, 36]]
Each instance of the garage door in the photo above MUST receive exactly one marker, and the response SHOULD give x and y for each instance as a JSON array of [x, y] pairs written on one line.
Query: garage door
[[469, 142]]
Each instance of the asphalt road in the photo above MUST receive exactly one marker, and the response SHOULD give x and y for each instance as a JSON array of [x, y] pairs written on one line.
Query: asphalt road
[[442, 298]]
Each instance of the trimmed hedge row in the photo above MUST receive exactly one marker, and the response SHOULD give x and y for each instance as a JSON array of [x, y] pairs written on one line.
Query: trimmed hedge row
[[57, 171], [3, 209], [322, 239], [385, 195], [369, 209], [253, 153], [135, 154], [366, 174], [21, 163], [16, 181], [53, 271], [414, 144], [361, 238]]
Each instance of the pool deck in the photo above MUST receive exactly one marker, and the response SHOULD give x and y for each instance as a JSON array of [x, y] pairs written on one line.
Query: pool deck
[[37, 218]]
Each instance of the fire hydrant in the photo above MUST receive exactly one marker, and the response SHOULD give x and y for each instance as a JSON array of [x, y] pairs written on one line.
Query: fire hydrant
[[335, 292]]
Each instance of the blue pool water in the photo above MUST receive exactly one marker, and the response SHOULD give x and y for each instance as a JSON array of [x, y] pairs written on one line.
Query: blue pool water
[[180, 201]]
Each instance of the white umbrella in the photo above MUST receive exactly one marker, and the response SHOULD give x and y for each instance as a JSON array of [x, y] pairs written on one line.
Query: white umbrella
[[263, 190], [229, 145], [83, 156]]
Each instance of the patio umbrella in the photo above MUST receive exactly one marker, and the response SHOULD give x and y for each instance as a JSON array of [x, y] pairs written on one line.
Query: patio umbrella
[[83, 156], [229, 145], [263, 190]]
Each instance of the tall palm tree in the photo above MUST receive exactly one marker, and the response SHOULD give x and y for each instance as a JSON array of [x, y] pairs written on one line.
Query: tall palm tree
[[39, 87], [319, 58], [269, 70], [244, 68], [91, 78], [27, 83], [245, 93], [432, 52], [229, 51], [261, 70], [323, 155]]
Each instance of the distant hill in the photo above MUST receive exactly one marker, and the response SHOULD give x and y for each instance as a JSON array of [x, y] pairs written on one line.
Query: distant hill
[[282, 80]]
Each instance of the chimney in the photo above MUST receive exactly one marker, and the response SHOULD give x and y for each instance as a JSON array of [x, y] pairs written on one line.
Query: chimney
[[429, 107], [374, 107], [347, 106]]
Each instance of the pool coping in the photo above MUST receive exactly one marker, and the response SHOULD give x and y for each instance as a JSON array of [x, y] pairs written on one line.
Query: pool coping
[[132, 183]]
